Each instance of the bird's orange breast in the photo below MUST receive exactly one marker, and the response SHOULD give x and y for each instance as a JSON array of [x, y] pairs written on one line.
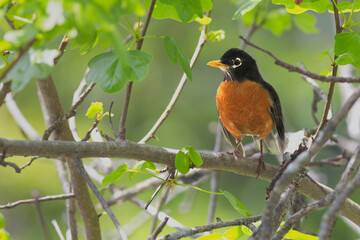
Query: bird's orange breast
[[244, 108]]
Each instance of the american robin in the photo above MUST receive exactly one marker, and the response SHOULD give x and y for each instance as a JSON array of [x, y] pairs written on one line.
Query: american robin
[[246, 104]]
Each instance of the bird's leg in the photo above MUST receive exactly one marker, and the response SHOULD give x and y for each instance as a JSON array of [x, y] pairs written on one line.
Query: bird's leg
[[240, 147], [261, 166]]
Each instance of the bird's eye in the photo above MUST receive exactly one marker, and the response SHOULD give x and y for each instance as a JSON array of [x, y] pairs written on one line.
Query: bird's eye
[[236, 62]]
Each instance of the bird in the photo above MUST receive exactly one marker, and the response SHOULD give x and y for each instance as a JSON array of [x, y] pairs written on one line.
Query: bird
[[247, 104]]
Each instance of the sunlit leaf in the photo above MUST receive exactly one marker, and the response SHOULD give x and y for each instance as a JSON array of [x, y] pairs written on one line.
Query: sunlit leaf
[[347, 46], [216, 35], [205, 20], [95, 109], [4, 235], [176, 54], [236, 204], [296, 235], [2, 221], [114, 176], [149, 165], [234, 233], [180, 10], [313, 5], [212, 236], [245, 6]]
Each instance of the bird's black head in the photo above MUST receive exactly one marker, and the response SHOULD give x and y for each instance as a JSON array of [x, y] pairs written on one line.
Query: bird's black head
[[237, 65]]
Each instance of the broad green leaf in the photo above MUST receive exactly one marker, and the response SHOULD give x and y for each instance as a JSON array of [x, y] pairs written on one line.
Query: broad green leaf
[[293, 234], [319, 6], [347, 46], [149, 165], [194, 156], [212, 236], [346, 7], [236, 204], [278, 21], [306, 22], [114, 176], [182, 162], [215, 35], [176, 54], [2, 221], [108, 70], [94, 109], [180, 10], [33, 64], [245, 6], [234, 233]]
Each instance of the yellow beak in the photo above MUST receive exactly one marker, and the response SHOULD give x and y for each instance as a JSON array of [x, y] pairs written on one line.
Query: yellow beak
[[218, 64]]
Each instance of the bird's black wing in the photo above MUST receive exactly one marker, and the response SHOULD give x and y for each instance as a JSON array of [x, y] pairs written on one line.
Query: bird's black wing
[[276, 112]]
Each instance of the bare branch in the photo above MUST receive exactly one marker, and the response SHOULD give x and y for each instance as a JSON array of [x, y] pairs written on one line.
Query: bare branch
[[57, 229], [122, 129], [36, 195], [158, 229], [293, 68], [176, 95], [209, 227], [88, 180], [42, 199]]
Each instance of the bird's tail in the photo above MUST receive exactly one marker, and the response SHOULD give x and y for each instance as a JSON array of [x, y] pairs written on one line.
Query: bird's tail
[[271, 144]]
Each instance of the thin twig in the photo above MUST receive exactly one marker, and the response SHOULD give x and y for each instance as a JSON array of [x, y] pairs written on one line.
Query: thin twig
[[293, 68], [334, 73], [122, 129], [106, 207], [36, 195], [10, 164], [215, 176], [179, 88], [42, 199], [160, 204], [209, 227], [87, 135], [158, 230], [57, 229]]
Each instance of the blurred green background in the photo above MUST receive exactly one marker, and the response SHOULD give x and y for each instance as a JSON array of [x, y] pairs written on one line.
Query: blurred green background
[[189, 123]]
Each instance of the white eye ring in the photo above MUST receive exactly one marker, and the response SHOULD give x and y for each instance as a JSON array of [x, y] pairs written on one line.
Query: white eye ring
[[236, 62]]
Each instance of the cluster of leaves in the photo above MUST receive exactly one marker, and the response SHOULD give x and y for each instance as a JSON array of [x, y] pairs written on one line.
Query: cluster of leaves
[[278, 20], [88, 24]]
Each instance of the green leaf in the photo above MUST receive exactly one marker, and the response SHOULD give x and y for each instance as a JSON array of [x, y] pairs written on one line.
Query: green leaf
[[205, 20], [114, 176], [95, 109], [319, 6], [176, 54], [246, 6], [2, 221], [347, 47], [215, 35], [194, 156], [234, 233], [180, 10], [293, 234], [278, 21], [33, 64], [182, 162], [306, 22], [212, 236], [149, 165], [111, 72], [236, 204]]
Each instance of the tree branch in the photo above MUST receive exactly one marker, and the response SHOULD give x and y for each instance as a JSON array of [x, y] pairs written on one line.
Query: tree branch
[[122, 129], [176, 95], [42, 199], [166, 156], [209, 227], [293, 68]]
